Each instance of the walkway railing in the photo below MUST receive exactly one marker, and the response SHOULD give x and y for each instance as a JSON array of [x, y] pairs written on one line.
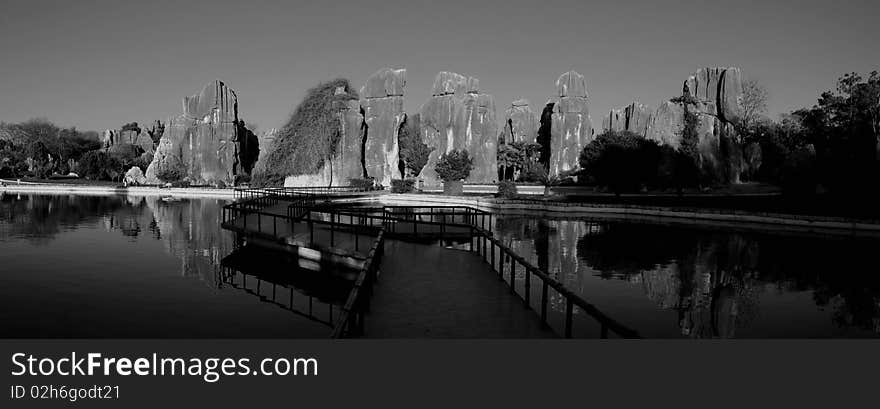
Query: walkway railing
[[507, 264], [351, 321], [503, 260], [250, 193], [477, 223]]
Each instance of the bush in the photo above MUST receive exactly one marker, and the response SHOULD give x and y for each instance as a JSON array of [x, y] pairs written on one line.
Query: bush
[[622, 161], [403, 185], [172, 170], [454, 166], [507, 189], [363, 184], [98, 165]]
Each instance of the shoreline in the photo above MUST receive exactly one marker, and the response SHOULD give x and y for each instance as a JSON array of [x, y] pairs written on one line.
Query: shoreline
[[184, 192], [728, 218]]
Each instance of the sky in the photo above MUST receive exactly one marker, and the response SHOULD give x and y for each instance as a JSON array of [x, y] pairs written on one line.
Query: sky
[[99, 64]]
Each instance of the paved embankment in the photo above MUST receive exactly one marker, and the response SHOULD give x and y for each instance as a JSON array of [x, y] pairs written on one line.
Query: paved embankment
[[820, 224]]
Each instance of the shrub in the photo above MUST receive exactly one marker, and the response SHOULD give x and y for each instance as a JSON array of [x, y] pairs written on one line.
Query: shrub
[[98, 165], [403, 185], [622, 161], [454, 166], [507, 189], [363, 184], [171, 170]]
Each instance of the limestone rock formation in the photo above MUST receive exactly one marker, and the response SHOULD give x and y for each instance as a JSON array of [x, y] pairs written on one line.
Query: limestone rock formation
[[520, 123], [347, 162], [666, 124], [634, 118], [266, 140], [459, 116], [383, 114], [714, 96], [132, 134], [571, 127], [204, 145]]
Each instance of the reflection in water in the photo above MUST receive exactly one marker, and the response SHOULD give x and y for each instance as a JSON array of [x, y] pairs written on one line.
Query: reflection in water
[[188, 229], [108, 266], [715, 281]]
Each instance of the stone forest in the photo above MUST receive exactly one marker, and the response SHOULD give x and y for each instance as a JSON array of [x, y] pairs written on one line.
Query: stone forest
[[710, 133]]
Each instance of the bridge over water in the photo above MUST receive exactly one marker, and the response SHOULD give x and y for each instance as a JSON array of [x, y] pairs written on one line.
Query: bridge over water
[[415, 271]]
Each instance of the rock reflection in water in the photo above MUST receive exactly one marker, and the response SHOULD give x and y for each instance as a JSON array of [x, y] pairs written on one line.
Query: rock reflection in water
[[188, 229], [715, 280]]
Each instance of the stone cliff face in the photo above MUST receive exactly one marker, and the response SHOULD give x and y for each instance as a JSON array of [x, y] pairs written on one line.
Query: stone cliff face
[[714, 96], [203, 143], [634, 118], [571, 127], [382, 108], [459, 116], [520, 123], [132, 134]]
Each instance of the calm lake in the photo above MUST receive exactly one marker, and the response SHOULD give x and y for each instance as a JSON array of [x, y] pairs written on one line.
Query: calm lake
[[117, 266]]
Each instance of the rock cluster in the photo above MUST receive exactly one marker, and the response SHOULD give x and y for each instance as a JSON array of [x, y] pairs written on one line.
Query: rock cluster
[[571, 127], [205, 144], [520, 123], [459, 116], [132, 134]]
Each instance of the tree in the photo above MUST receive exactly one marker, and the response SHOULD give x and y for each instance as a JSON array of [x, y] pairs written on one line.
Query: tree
[[413, 152], [454, 166], [622, 161], [754, 106]]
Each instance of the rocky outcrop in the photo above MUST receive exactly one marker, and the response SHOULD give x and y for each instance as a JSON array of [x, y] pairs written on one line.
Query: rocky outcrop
[[382, 107], [633, 118], [347, 161], [520, 123], [666, 124], [571, 127], [204, 144], [132, 134], [266, 141], [459, 116], [714, 97]]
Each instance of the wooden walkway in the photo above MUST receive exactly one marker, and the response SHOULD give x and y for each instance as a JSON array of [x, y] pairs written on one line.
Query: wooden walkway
[[434, 292], [423, 291]]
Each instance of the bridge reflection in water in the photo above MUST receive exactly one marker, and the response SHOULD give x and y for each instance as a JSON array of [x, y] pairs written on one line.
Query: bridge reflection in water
[[444, 274]]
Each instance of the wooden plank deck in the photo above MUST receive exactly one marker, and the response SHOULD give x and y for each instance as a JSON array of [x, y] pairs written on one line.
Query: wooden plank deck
[[434, 292]]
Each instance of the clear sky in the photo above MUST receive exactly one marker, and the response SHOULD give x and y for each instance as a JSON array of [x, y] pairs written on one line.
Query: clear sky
[[99, 64]]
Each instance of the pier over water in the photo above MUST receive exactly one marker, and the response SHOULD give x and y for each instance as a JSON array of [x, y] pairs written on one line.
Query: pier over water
[[419, 272]]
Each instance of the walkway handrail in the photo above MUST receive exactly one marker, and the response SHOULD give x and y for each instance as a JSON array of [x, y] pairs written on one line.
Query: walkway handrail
[[351, 320], [473, 220], [571, 299]]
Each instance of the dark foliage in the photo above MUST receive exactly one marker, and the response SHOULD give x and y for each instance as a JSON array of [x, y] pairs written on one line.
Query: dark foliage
[[507, 189], [413, 152], [543, 137], [362, 183], [454, 166], [99, 165], [311, 135], [403, 185]]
